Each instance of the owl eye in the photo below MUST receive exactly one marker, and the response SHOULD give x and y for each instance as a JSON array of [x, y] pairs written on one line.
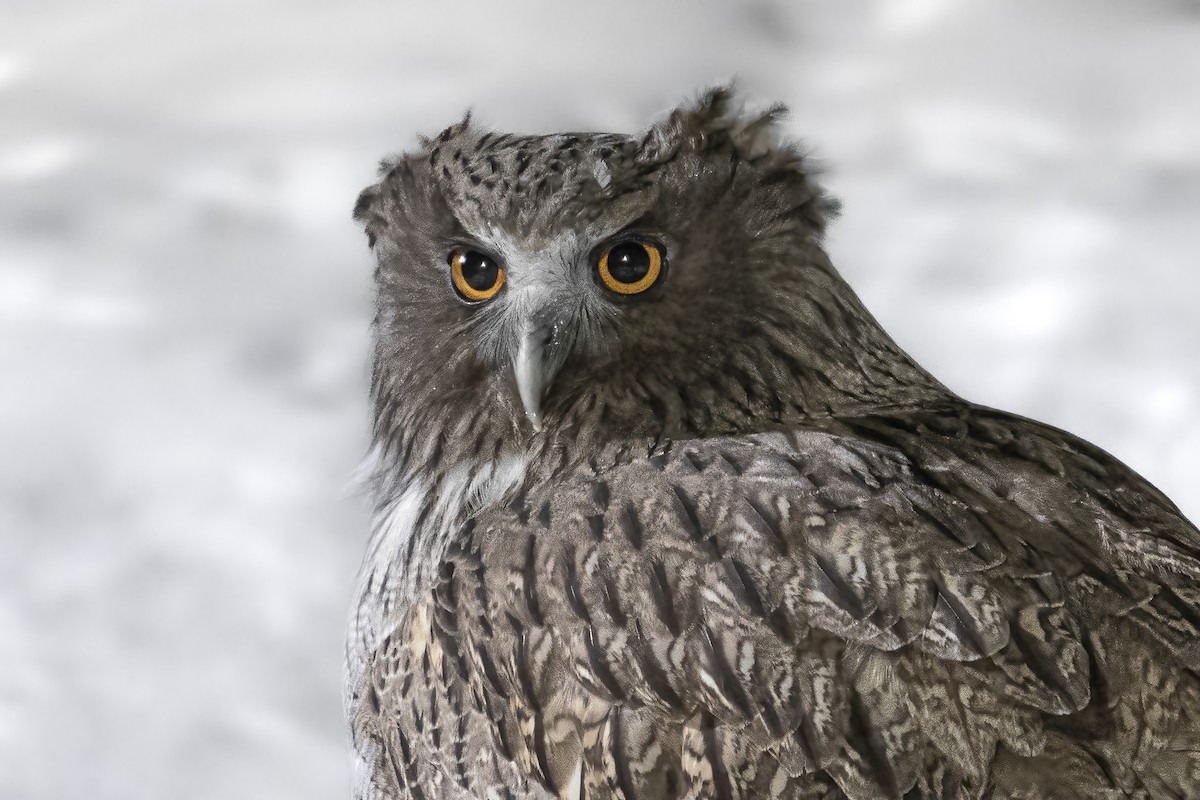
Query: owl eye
[[475, 276], [630, 267]]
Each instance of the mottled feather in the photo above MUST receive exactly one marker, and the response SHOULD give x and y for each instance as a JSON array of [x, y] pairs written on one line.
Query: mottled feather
[[755, 551]]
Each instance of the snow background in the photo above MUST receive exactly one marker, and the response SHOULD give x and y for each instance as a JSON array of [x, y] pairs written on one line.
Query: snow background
[[184, 300]]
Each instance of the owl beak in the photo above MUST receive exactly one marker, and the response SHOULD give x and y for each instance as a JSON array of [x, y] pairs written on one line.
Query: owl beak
[[534, 367], [527, 368]]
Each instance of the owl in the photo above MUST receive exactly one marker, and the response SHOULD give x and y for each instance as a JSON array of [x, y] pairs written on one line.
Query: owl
[[661, 511]]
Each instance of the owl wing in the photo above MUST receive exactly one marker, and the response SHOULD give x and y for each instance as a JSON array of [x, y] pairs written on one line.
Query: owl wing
[[959, 601]]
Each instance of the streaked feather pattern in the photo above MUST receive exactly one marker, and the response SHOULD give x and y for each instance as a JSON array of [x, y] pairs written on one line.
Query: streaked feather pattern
[[914, 604], [746, 547]]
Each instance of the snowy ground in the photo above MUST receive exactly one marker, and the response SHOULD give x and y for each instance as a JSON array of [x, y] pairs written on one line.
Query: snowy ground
[[183, 300]]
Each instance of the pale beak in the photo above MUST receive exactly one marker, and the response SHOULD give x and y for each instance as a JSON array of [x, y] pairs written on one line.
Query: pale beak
[[535, 365]]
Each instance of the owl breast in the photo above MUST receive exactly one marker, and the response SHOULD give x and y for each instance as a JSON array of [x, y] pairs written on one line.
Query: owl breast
[[409, 539]]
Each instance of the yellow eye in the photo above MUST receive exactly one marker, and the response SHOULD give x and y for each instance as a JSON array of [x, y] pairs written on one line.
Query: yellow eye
[[475, 276], [630, 267]]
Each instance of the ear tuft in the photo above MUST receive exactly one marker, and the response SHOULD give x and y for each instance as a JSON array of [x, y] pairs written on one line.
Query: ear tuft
[[713, 119], [366, 211], [382, 200], [755, 136], [450, 131], [717, 123]]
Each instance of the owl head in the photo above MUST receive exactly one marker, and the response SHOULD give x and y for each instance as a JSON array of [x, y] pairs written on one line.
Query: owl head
[[594, 284]]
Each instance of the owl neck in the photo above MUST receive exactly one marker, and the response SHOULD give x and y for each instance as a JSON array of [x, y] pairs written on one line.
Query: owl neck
[[810, 357], [814, 352]]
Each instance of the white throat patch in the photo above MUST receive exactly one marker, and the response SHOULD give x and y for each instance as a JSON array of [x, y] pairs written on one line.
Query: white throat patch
[[386, 579]]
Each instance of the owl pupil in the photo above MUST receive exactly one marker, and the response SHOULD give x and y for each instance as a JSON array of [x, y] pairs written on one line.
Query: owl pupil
[[479, 271], [628, 263]]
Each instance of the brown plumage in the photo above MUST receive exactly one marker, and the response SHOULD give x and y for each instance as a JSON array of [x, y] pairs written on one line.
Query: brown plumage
[[723, 538]]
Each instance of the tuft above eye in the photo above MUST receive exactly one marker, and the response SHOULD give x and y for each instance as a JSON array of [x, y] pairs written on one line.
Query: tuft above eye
[[475, 276], [630, 267]]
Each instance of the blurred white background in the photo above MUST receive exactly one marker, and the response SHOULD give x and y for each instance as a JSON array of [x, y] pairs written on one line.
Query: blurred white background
[[184, 300]]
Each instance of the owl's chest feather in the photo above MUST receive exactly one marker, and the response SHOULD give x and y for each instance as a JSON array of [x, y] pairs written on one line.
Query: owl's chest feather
[[409, 540]]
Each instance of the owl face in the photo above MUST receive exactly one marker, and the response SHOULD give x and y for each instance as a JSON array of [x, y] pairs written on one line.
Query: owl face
[[539, 307], [523, 279]]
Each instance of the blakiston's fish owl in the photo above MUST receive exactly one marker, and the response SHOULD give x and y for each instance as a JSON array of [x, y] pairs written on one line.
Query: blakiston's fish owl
[[663, 512]]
